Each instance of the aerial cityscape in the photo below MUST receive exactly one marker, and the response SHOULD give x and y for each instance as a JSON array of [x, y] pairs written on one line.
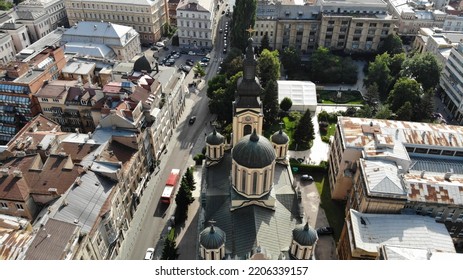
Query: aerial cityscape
[[231, 130]]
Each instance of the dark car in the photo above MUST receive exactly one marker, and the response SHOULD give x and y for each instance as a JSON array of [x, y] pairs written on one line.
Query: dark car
[[183, 52], [325, 230], [192, 120], [205, 59], [165, 48], [154, 48], [306, 177]]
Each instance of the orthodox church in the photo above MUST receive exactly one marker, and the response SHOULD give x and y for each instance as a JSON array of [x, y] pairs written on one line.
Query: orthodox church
[[249, 208]]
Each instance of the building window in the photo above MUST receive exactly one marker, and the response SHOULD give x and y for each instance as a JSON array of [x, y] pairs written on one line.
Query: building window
[[4, 205], [254, 183], [19, 206]]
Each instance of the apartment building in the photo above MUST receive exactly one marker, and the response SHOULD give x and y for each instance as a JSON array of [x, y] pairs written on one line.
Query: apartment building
[[21, 80], [354, 27], [7, 50], [145, 16], [172, 8], [437, 42], [451, 82], [124, 41], [69, 103], [38, 23], [54, 9], [195, 23], [18, 33], [383, 166], [413, 15], [348, 25], [364, 236]]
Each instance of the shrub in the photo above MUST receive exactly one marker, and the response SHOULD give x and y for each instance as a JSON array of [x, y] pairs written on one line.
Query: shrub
[[326, 139]]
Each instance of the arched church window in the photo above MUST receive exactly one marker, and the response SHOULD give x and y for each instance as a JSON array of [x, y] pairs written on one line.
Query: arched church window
[[243, 180], [254, 183], [247, 129], [265, 179]]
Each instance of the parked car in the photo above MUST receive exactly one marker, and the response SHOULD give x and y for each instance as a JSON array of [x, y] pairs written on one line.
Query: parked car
[[191, 53], [192, 120], [149, 254], [165, 48], [185, 68], [160, 44], [224, 50], [306, 177], [190, 62], [154, 48], [325, 230], [203, 64], [183, 52], [205, 59]]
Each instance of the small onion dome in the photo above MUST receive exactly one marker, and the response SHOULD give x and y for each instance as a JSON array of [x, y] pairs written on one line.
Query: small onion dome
[[253, 151], [214, 138], [142, 64], [305, 235], [212, 237], [280, 138]]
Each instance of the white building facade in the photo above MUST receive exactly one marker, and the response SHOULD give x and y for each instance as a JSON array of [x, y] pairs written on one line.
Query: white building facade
[[195, 23], [145, 16], [53, 8], [7, 50]]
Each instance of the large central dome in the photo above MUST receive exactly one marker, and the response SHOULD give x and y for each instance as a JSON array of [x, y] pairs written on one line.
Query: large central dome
[[253, 151]]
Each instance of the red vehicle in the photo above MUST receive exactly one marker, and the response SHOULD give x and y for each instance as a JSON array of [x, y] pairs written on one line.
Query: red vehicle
[[171, 185]]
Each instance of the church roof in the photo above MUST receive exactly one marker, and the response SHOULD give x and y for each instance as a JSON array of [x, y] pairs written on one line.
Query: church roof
[[254, 151], [252, 226], [280, 137], [214, 138], [212, 237], [305, 235]]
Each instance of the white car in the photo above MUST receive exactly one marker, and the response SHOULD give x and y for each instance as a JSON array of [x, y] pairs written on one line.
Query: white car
[[191, 53], [160, 44], [149, 254]]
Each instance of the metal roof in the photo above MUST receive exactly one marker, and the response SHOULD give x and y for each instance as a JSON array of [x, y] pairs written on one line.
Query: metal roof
[[382, 177], [369, 231], [83, 202]]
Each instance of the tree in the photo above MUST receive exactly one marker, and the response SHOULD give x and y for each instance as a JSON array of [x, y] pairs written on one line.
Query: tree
[[268, 67], [286, 104], [423, 67], [395, 63], [233, 62], [169, 252], [199, 70], [189, 179], [291, 59], [175, 41], [304, 132], [365, 112], [264, 43], [183, 199], [392, 45], [372, 95], [270, 102], [405, 90], [426, 107], [405, 112], [222, 96], [244, 17], [379, 73], [383, 112]]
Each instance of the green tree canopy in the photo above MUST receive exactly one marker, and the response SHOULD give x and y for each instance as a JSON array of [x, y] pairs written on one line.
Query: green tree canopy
[[405, 112], [268, 67], [169, 252], [304, 133], [392, 45], [286, 104], [395, 63], [365, 112], [426, 107], [198, 69], [244, 16], [221, 98], [424, 67], [405, 90], [291, 59], [379, 74], [264, 43], [383, 112], [270, 103]]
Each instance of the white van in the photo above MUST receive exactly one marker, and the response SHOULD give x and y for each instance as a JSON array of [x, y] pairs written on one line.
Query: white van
[[160, 44]]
